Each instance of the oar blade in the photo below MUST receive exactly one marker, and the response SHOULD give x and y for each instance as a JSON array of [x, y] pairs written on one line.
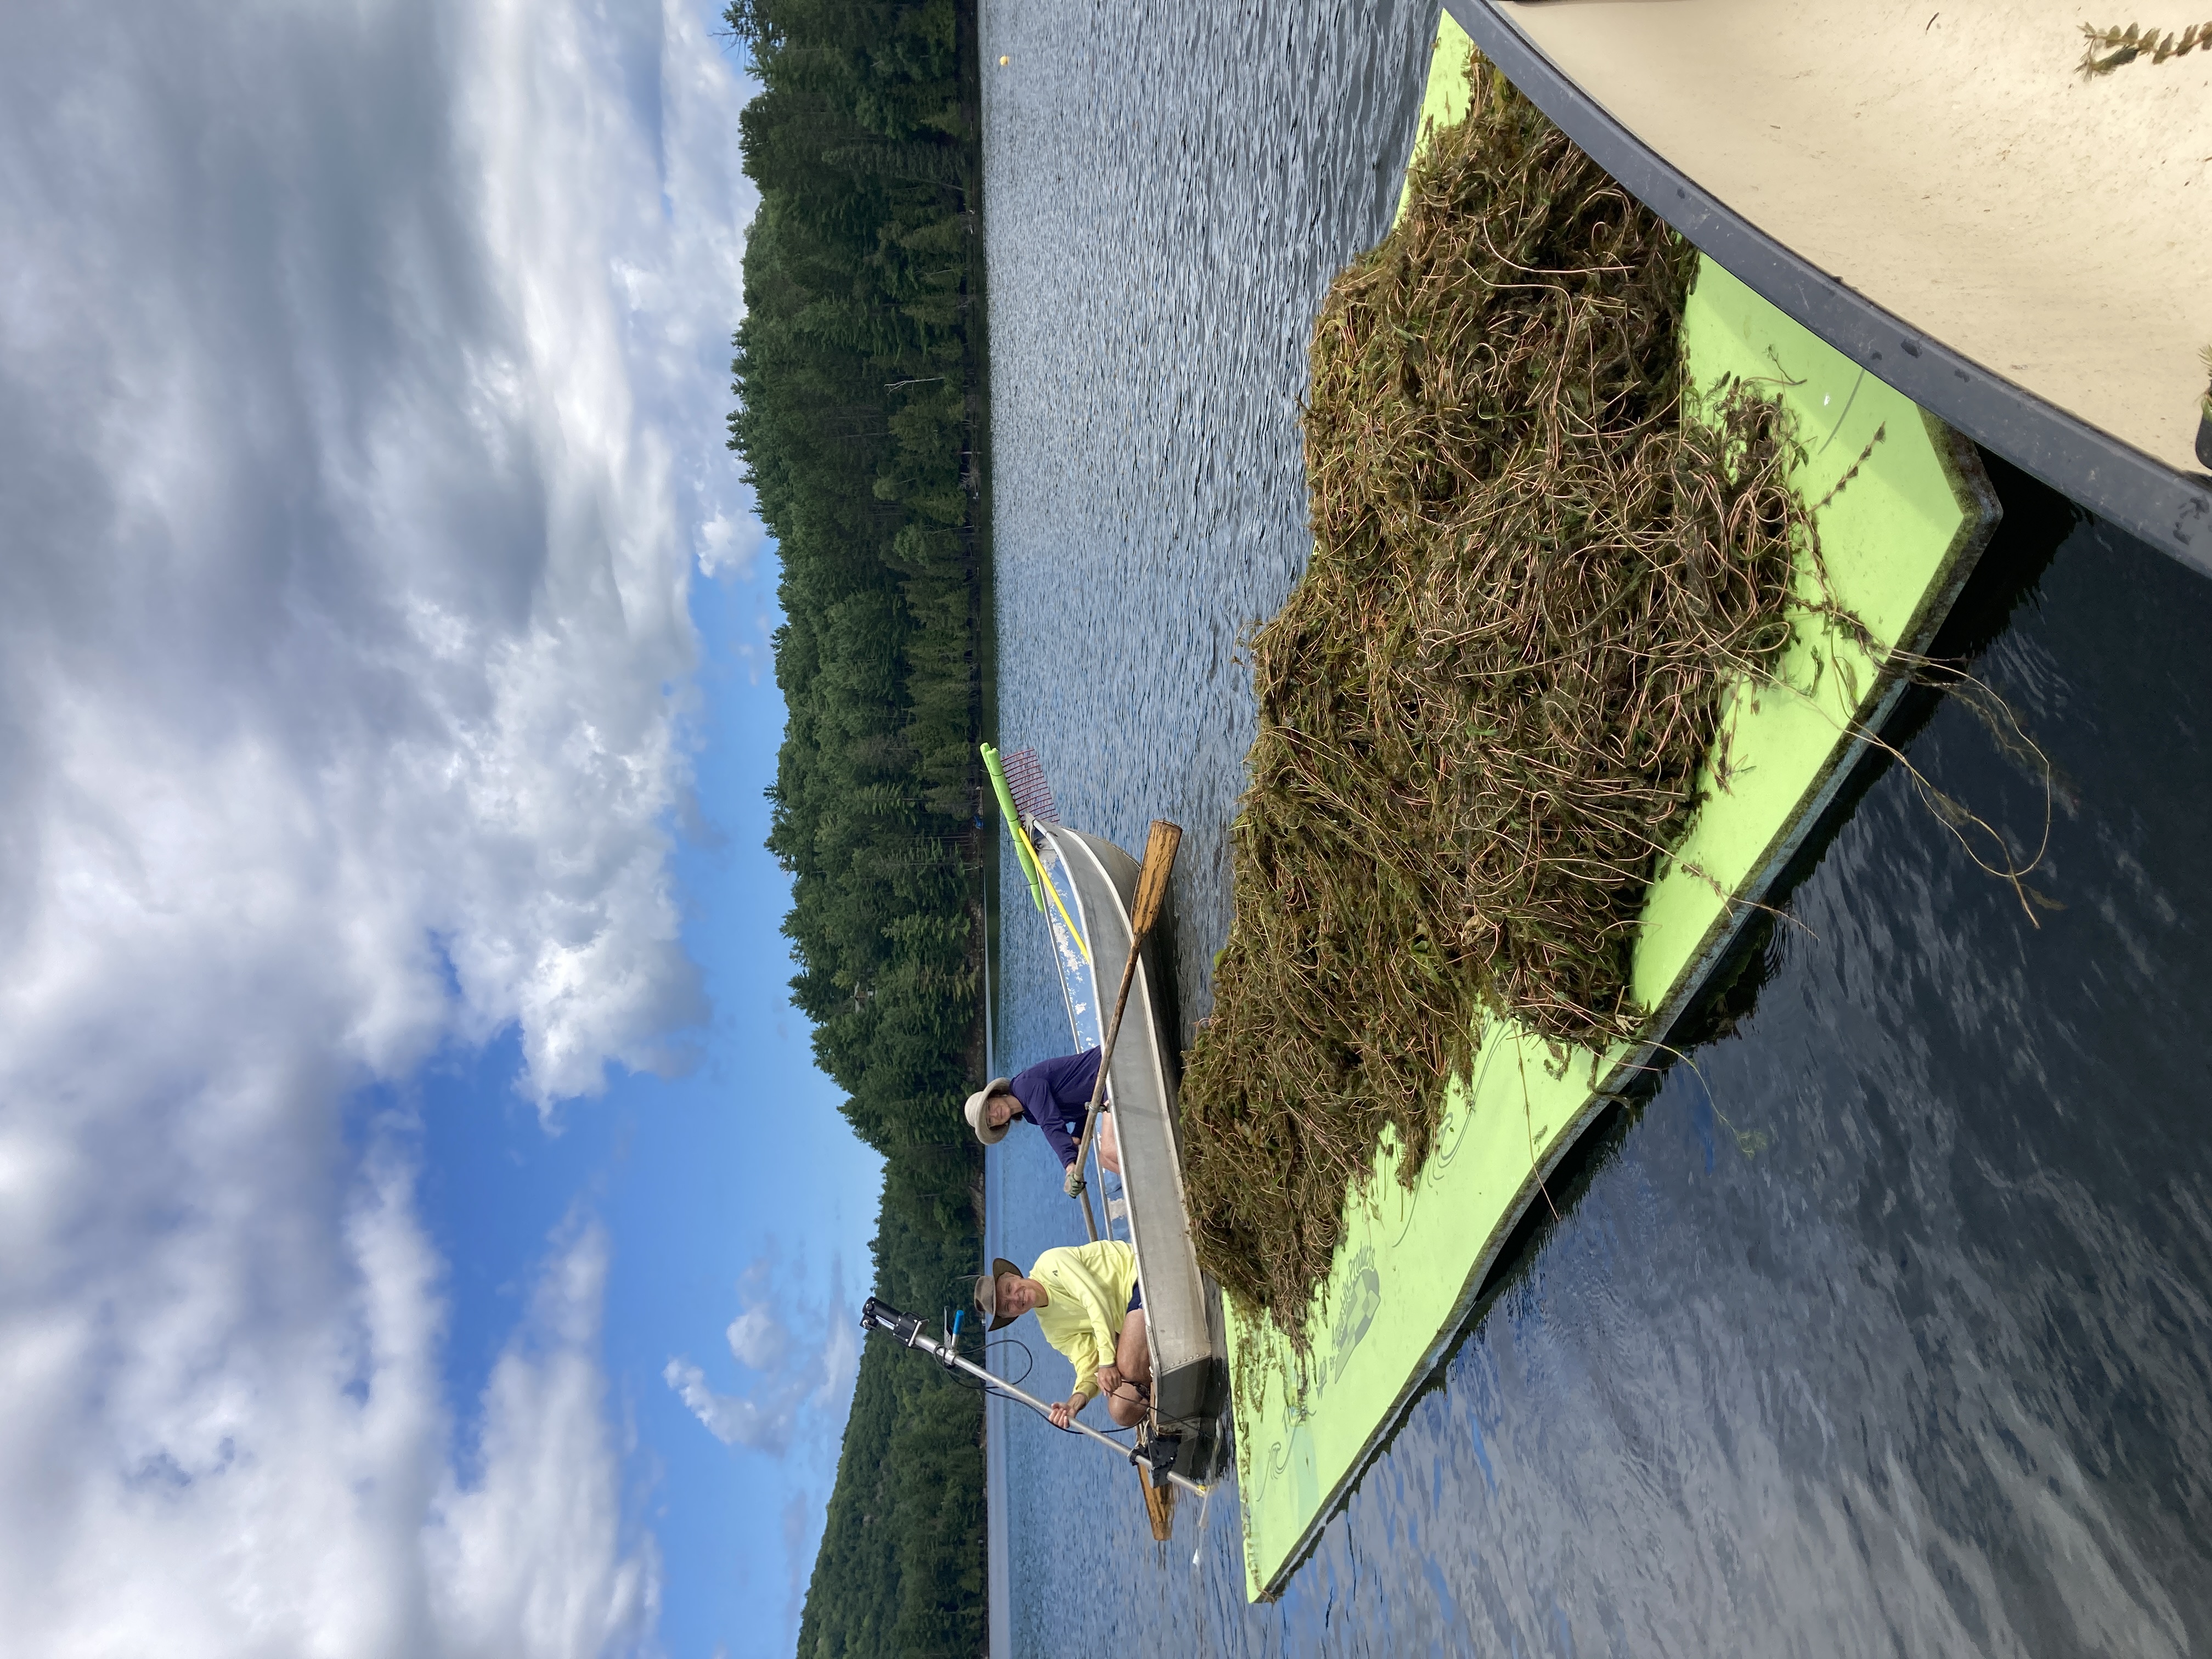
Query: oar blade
[[1160, 845]]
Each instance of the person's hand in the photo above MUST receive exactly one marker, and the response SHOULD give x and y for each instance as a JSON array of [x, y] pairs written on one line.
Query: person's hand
[[1072, 1183], [1064, 1413], [1109, 1378]]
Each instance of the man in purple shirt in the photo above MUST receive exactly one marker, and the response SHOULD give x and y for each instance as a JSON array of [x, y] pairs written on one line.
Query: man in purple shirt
[[1055, 1096]]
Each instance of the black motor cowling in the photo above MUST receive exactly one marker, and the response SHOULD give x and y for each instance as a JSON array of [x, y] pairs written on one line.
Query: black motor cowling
[[882, 1316]]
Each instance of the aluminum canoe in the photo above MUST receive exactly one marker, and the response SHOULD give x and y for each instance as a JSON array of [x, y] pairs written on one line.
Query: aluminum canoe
[[1096, 881]]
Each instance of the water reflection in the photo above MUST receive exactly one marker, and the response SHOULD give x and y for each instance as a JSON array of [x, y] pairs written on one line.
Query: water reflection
[[1883, 1327]]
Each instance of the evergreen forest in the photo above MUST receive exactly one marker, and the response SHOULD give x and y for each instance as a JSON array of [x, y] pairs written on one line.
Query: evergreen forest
[[859, 378]]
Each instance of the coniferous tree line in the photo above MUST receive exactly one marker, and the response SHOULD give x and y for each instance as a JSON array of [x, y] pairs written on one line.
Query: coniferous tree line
[[859, 382], [900, 1570]]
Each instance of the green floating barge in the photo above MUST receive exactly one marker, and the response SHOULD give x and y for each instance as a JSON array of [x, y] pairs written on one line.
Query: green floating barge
[[1897, 544]]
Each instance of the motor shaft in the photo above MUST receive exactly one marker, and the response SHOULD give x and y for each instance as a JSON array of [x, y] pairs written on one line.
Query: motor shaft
[[879, 1315]]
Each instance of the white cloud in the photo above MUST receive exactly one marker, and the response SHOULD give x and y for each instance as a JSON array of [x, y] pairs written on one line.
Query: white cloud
[[796, 1380], [286, 1487], [758, 1339], [361, 373], [728, 546], [530, 1558], [732, 1419]]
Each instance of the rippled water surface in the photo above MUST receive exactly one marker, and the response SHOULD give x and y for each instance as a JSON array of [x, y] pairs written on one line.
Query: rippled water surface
[[1885, 1327]]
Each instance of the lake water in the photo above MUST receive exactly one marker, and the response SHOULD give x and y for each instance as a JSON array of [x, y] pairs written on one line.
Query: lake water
[[1887, 1327]]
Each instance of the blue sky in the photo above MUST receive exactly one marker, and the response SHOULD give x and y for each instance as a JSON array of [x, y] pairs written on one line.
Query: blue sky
[[699, 1180], [421, 1229]]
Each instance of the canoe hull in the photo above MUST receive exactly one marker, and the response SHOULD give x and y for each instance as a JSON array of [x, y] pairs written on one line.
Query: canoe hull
[[1182, 1311]]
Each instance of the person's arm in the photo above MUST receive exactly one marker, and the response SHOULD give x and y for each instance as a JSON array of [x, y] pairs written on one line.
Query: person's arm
[[1063, 1144], [1068, 1081], [1066, 1322], [1085, 1387], [1084, 1354]]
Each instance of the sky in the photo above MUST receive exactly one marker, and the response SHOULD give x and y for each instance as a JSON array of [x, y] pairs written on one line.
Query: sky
[[423, 1230]]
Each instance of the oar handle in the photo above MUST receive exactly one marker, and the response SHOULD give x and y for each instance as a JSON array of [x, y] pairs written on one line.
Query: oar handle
[[1160, 845]]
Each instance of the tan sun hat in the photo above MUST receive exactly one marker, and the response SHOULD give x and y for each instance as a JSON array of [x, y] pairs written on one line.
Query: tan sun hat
[[986, 1292], [984, 1132]]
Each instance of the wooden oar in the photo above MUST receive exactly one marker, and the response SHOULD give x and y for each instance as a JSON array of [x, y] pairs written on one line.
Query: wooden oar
[[1160, 844], [1159, 1507]]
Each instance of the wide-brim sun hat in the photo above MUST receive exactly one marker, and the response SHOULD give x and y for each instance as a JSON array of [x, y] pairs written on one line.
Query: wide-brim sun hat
[[986, 1292], [984, 1132]]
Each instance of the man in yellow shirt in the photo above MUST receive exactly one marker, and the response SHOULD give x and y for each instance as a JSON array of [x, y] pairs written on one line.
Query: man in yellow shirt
[[1090, 1307]]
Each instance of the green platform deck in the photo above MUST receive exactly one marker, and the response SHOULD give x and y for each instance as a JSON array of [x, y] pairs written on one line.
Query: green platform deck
[[1898, 543]]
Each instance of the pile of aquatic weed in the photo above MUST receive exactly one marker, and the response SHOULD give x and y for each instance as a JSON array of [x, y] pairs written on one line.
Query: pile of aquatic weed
[[1483, 709]]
